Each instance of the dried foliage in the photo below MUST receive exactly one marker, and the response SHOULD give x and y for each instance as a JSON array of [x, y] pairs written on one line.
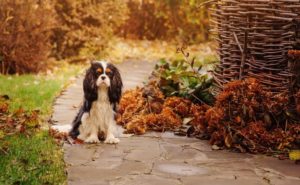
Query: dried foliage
[[149, 19], [17, 122], [294, 54], [25, 28], [156, 107], [244, 117], [294, 60], [247, 118], [297, 100], [146, 108], [59, 137], [86, 26]]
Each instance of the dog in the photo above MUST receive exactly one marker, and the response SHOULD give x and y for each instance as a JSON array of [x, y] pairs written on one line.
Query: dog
[[102, 87]]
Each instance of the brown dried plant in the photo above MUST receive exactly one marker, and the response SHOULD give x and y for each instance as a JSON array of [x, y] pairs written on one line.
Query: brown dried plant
[[25, 28]]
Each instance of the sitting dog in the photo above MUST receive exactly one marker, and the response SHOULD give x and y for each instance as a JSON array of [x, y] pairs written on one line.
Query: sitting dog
[[102, 88]]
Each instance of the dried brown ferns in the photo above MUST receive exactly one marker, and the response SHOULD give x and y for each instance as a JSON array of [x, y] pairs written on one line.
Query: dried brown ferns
[[248, 118], [245, 117]]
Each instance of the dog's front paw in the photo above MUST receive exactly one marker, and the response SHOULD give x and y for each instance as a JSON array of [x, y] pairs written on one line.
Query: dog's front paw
[[92, 139], [81, 137], [112, 140]]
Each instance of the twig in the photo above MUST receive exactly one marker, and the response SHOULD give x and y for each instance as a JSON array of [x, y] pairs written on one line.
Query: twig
[[205, 3], [186, 57], [199, 99], [237, 41], [4, 151], [244, 54]]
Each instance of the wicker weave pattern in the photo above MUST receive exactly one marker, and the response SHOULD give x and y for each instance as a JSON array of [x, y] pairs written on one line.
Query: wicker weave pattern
[[254, 37]]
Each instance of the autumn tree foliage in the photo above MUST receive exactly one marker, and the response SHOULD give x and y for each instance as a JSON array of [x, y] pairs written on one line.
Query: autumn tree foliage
[[31, 31], [167, 20], [86, 26], [25, 29]]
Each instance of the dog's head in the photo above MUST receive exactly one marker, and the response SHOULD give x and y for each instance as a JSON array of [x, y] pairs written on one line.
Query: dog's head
[[103, 74]]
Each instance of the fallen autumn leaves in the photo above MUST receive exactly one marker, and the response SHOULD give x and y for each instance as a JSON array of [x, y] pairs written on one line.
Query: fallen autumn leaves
[[19, 121], [244, 117]]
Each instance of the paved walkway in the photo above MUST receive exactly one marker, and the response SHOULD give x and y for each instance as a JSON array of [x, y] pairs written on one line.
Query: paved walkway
[[161, 158]]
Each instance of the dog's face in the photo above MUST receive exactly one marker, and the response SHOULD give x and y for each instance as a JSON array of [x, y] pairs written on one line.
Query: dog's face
[[103, 74]]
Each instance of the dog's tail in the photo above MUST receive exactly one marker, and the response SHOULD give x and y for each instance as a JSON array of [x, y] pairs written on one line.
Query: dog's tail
[[76, 123]]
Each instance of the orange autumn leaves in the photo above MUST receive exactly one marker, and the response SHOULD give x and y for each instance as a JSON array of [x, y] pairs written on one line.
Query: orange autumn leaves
[[248, 118], [140, 112], [147, 108], [244, 117], [19, 121]]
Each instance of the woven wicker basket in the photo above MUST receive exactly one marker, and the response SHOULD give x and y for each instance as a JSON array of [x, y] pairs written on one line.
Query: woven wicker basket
[[254, 37]]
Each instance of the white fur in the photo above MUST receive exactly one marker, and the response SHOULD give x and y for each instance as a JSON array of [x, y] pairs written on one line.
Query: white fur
[[100, 118], [62, 128], [106, 80], [103, 63]]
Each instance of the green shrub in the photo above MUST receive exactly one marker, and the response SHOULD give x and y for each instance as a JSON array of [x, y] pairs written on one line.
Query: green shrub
[[25, 28], [183, 78]]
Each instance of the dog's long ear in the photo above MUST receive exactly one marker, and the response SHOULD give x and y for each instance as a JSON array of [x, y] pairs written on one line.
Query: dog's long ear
[[89, 85], [116, 85]]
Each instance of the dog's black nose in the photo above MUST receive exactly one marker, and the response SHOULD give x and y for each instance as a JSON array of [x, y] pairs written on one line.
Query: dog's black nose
[[103, 77]]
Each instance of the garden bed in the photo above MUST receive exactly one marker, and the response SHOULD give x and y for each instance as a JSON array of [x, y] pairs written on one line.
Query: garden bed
[[243, 117]]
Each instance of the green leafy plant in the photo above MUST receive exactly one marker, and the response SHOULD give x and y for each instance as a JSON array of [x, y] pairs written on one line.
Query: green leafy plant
[[183, 78]]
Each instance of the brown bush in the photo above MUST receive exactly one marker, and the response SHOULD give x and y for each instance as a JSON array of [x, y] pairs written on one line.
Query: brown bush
[[86, 26], [25, 28], [167, 20]]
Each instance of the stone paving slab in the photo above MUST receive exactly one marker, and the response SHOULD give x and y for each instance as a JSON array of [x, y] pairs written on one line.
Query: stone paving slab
[[161, 158]]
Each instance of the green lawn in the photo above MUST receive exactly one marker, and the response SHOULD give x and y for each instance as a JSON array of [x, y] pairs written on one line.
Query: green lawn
[[36, 158], [31, 160], [36, 91]]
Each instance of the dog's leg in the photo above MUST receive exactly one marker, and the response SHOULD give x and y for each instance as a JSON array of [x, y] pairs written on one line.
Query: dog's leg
[[110, 130], [93, 138], [88, 131], [92, 131], [83, 133]]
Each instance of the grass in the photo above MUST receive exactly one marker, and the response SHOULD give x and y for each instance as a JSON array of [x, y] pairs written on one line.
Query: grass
[[35, 158], [32, 160], [36, 91]]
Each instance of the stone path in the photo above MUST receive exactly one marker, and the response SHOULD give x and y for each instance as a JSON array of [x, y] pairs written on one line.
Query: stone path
[[161, 158]]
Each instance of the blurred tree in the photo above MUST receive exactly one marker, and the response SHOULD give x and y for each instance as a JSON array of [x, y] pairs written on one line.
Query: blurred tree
[[86, 25], [25, 28], [167, 19]]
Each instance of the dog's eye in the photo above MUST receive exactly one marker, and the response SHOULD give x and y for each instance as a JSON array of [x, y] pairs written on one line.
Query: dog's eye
[[107, 71], [99, 70]]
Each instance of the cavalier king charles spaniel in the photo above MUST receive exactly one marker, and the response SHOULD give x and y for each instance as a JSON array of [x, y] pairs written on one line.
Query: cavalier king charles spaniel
[[102, 88]]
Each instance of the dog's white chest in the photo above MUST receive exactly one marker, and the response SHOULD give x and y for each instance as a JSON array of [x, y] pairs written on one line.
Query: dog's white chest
[[101, 113]]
